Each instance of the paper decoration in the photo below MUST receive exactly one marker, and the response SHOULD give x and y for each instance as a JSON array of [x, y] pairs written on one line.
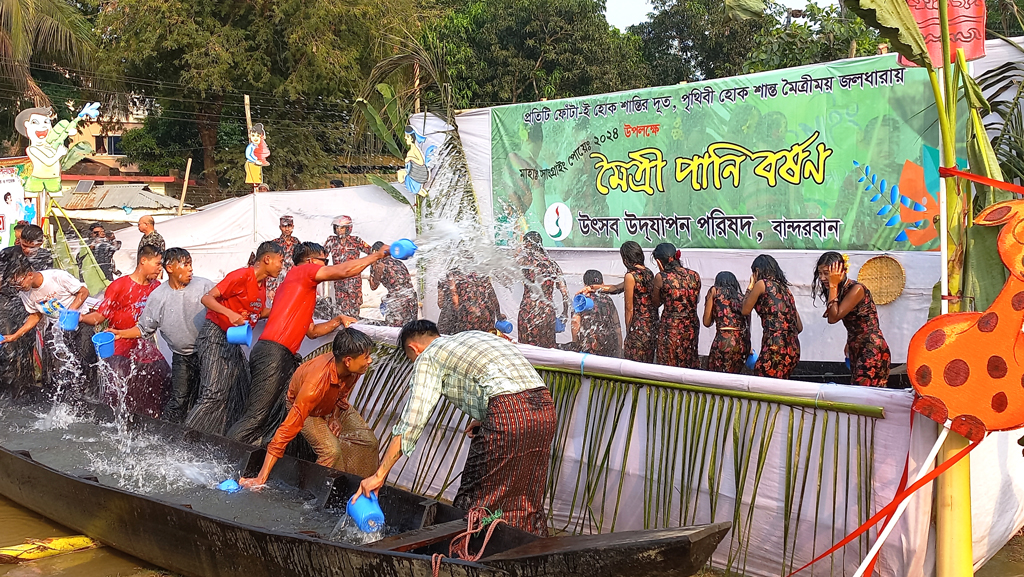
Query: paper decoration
[[47, 147], [256, 154], [969, 367]]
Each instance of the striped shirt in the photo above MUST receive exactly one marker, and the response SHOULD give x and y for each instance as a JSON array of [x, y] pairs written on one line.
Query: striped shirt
[[468, 369]]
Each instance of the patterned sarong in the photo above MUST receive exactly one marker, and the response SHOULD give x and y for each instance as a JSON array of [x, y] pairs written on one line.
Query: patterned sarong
[[223, 381], [271, 366], [507, 465]]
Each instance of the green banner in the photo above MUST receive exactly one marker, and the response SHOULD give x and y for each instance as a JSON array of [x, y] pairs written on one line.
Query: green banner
[[830, 156]]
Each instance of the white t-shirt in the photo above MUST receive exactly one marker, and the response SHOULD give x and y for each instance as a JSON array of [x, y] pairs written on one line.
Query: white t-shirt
[[58, 285]]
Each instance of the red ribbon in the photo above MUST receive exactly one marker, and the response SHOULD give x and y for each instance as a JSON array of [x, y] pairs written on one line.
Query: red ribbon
[[948, 172], [891, 507]]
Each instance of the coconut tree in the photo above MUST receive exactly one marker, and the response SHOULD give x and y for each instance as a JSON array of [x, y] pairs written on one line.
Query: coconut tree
[[38, 31]]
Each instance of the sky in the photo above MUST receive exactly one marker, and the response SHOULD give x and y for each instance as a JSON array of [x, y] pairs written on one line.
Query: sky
[[624, 13]]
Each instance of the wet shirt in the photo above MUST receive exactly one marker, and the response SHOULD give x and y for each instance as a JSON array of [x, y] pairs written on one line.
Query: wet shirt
[[57, 285], [467, 369], [177, 313], [240, 293], [314, 391], [123, 304], [293, 308]]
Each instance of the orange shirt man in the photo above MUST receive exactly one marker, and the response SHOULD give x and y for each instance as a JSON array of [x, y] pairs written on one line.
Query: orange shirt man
[[319, 409]]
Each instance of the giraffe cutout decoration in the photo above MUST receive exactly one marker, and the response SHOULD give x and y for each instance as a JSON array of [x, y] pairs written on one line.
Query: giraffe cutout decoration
[[969, 367]]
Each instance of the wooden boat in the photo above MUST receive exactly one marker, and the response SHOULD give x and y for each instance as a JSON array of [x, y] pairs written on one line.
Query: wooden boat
[[195, 544]]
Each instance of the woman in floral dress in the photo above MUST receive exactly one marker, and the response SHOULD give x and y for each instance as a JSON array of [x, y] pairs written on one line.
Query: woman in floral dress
[[677, 288], [641, 314], [849, 301], [446, 317], [768, 294], [537, 309], [723, 306], [401, 304]]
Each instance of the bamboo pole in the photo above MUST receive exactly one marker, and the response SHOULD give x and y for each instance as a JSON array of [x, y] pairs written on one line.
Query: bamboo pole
[[953, 530], [248, 117], [184, 186], [851, 408]]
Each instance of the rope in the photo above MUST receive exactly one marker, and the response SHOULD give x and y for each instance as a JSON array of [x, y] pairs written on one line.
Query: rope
[[476, 520]]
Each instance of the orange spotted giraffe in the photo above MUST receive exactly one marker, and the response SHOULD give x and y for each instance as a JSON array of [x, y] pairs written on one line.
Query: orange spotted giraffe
[[969, 367]]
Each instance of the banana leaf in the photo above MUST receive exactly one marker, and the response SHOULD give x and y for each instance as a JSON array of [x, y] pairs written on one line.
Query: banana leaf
[[984, 272], [744, 9], [394, 192], [391, 108], [378, 127], [895, 23]]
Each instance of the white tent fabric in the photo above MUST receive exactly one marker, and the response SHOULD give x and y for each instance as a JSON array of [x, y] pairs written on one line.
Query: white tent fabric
[[221, 237]]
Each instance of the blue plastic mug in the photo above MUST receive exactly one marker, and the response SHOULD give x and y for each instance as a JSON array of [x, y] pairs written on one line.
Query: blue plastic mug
[[504, 326], [847, 363], [403, 249], [582, 303], [366, 513], [104, 343], [559, 325], [68, 319], [240, 335], [752, 359], [229, 486], [383, 308]]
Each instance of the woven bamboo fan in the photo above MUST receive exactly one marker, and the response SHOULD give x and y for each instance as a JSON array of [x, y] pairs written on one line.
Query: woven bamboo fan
[[885, 278]]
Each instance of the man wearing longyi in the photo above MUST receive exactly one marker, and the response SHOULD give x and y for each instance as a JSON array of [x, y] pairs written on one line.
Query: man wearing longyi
[[513, 420]]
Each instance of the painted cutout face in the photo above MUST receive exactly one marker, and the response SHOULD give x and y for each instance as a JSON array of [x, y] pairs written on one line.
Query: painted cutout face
[[37, 127], [254, 137]]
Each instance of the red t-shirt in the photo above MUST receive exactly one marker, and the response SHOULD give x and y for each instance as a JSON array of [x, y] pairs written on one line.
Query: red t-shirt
[[123, 303], [240, 292], [293, 307]]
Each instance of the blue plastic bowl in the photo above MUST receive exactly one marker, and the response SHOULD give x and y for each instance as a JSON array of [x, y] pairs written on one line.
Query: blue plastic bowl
[[229, 486], [68, 319], [366, 513], [504, 326], [752, 359], [104, 343], [240, 335], [403, 249], [582, 303]]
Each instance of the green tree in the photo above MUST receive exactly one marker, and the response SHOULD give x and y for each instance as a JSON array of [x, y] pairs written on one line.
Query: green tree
[[499, 51], [301, 61], [822, 34], [688, 40]]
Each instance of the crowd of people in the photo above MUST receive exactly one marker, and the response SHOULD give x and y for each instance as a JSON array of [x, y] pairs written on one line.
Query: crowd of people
[[273, 397]]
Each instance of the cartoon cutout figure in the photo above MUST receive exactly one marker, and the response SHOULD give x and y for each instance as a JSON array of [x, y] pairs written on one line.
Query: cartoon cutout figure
[[256, 154], [47, 143], [415, 173], [969, 367]]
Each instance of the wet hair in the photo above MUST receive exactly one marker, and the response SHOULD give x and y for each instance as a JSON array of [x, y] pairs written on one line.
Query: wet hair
[[665, 253], [149, 251], [592, 277], [96, 225], [176, 255], [19, 268], [265, 248], [819, 289], [20, 226], [533, 237], [351, 343], [727, 285], [767, 267], [632, 254], [31, 233], [417, 328], [377, 246], [23, 116], [306, 250]]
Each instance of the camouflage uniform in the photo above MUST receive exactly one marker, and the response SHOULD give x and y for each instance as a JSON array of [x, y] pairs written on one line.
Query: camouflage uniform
[[153, 239], [348, 293], [287, 246]]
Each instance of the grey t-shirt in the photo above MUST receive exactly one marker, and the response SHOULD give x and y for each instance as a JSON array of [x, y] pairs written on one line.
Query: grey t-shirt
[[177, 313]]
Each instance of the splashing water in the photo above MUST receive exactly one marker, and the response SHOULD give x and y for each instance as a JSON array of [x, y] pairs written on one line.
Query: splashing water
[[347, 532]]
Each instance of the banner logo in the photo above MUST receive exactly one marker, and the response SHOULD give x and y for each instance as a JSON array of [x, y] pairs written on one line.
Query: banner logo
[[558, 221]]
